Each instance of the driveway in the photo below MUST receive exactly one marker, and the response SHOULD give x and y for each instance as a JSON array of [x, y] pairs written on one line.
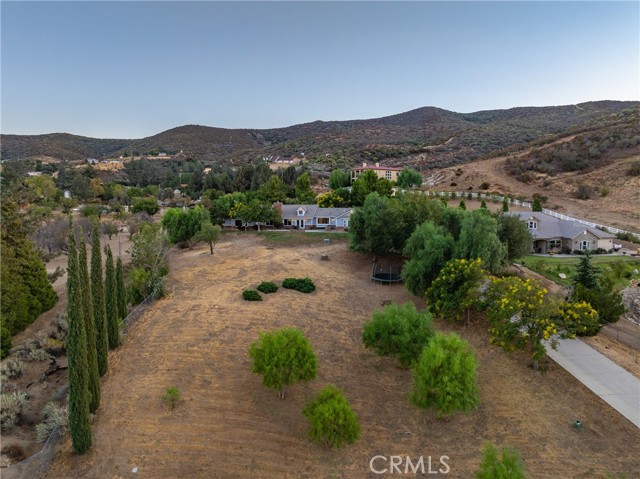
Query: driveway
[[616, 386]]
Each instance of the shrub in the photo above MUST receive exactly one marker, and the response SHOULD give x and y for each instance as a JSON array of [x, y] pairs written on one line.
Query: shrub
[[53, 346], [484, 186], [251, 295], [504, 464], [10, 409], [14, 451], [267, 287], [38, 353], [634, 170], [304, 285], [398, 330], [171, 397], [54, 417], [331, 420], [445, 376], [584, 192], [11, 368], [5, 342]]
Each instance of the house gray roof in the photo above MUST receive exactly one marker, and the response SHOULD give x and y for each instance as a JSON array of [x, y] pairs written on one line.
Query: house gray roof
[[550, 227], [290, 212]]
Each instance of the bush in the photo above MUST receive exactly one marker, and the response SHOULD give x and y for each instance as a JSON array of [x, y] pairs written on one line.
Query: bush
[[15, 452], [398, 330], [91, 210], [54, 417], [267, 287], [171, 397], [5, 342], [37, 353], [485, 186], [445, 376], [505, 464], [251, 295], [11, 368], [634, 170], [10, 409], [584, 192], [148, 205], [331, 420], [304, 285]]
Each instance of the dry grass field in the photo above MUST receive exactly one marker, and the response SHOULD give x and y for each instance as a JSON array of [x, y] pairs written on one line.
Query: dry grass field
[[227, 425]]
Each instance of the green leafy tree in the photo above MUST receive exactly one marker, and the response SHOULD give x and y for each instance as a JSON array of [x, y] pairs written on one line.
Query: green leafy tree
[[409, 178], [210, 234], [98, 303], [304, 193], [445, 377], [78, 369], [462, 205], [483, 205], [399, 331], [604, 298], [258, 212], [514, 235], [505, 204], [182, 225], [428, 249], [283, 357], [148, 205], [149, 261], [479, 239], [455, 289], [500, 464], [122, 299], [368, 182], [339, 179], [273, 190], [111, 302], [90, 328], [537, 204], [332, 422], [331, 199]]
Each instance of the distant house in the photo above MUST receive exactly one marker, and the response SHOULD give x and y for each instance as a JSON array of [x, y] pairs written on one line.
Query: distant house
[[314, 217], [34, 173], [92, 161], [390, 173], [67, 194], [555, 235]]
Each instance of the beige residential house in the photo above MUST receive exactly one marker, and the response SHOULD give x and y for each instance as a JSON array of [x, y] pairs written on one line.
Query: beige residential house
[[390, 173]]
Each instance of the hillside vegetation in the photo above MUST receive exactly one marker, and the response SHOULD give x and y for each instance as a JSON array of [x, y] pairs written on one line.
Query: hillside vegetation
[[425, 137]]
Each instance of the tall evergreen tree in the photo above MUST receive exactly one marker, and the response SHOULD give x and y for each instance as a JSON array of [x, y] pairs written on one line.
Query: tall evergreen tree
[[121, 291], [79, 415], [585, 273], [97, 296], [111, 302], [90, 328]]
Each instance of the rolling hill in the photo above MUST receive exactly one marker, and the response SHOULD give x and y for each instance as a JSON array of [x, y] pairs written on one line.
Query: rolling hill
[[425, 137]]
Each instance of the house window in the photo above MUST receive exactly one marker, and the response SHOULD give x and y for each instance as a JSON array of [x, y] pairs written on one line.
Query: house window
[[532, 225], [286, 222], [300, 212], [585, 245], [555, 244], [323, 221], [387, 175]]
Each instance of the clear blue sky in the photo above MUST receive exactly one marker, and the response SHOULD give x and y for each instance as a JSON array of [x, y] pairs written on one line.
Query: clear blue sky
[[133, 69]]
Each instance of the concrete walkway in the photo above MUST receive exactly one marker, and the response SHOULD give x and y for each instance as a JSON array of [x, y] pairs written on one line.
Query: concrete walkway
[[615, 385]]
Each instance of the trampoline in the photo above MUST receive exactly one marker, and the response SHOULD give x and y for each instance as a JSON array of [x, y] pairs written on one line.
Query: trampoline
[[385, 274]]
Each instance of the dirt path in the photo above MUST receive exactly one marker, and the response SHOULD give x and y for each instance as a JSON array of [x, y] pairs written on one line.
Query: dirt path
[[228, 426]]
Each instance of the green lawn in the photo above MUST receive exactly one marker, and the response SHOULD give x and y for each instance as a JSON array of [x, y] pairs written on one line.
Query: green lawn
[[551, 266], [292, 238]]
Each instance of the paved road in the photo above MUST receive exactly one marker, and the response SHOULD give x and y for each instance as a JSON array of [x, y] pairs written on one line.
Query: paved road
[[615, 385]]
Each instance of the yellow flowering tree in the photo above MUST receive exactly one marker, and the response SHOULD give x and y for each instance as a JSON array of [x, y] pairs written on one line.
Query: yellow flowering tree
[[521, 316], [456, 289]]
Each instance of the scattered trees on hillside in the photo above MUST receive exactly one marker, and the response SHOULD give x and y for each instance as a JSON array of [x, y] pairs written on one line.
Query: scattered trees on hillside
[[445, 377], [332, 422], [399, 331], [283, 357]]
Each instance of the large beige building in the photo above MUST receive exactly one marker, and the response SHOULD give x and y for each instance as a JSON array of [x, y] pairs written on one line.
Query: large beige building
[[387, 172]]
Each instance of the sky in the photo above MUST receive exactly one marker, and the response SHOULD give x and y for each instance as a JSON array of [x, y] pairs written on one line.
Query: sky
[[134, 69]]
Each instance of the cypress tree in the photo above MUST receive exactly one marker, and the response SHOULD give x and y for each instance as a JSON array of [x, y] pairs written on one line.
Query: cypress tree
[[87, 312], [79, 415], [97, 296], [121, 291], [111, 302]]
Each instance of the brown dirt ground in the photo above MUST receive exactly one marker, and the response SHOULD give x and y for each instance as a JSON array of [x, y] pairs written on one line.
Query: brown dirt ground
[[618, 209], [227, 425]]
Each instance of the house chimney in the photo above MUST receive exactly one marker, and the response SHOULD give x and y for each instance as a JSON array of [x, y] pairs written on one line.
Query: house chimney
[[377, 163], [364, 165]]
